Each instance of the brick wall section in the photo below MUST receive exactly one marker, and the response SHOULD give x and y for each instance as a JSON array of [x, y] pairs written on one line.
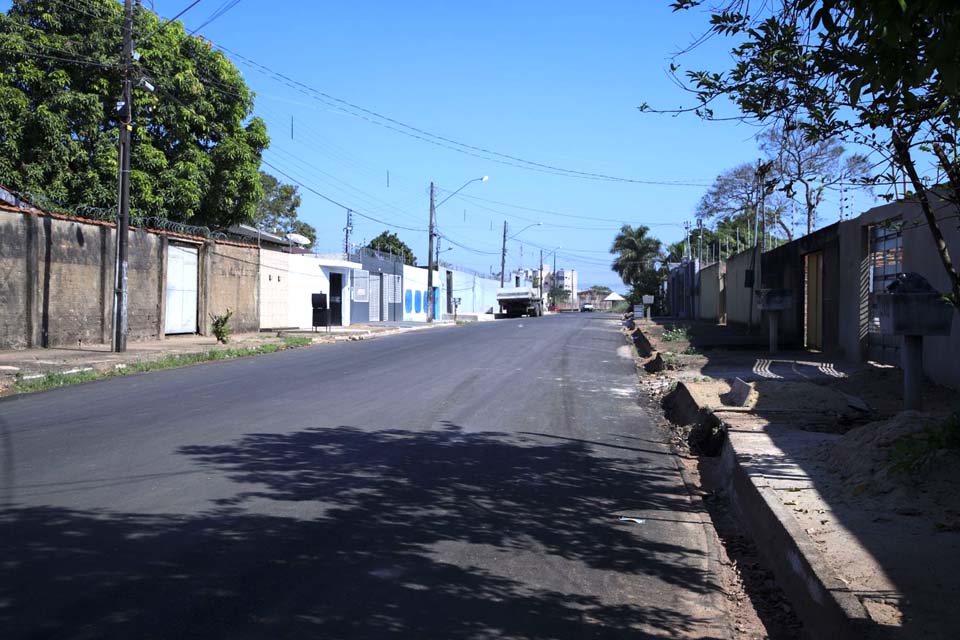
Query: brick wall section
[[57, 279], [233, 283]]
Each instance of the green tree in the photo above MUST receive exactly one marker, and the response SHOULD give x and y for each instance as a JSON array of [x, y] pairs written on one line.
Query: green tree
[[636, 254], [558, 294], [277, 210], [733, 201], [876, 72], [196, 150], [387, 241], [601, 290]]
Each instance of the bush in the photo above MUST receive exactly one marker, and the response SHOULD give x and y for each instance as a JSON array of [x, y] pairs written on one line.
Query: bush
[[221, 327]]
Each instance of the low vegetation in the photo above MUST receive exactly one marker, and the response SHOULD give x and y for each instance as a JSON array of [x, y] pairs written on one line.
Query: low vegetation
[[910, 455], [676, 334], [56, 379]]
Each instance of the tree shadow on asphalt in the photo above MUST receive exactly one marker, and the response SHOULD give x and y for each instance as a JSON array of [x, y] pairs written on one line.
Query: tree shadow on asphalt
[[348, 533]]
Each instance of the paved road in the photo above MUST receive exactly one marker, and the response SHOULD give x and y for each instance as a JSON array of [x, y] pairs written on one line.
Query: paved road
[[465, 482]]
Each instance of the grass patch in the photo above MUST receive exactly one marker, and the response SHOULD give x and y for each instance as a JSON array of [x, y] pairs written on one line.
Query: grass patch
[[172, 361], [676, 334], [910, 455], [690, 351]]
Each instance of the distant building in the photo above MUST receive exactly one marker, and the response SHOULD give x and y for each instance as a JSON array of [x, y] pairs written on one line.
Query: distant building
[[567, 279]]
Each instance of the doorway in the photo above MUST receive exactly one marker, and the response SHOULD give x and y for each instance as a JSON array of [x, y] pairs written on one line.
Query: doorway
[[813, 301], [336, 299], [181, 291]]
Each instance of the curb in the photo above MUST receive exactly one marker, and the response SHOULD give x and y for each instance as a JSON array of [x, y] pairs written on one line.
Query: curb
[[824, 604]]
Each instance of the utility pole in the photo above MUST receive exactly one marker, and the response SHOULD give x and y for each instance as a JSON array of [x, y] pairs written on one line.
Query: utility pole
[[123, 218], [553, 279], [503, 254], [540, 278], [700, 240], [346, 232], [686, 227], [430, 259]]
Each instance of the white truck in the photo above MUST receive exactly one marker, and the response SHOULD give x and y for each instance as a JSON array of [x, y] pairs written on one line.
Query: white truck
[[519, 301]]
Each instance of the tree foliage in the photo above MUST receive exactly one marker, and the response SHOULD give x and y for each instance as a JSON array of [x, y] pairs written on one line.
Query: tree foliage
[[732, 203], [388, 241], [195, 151], [635, 253], [881, 73], [277, 211]]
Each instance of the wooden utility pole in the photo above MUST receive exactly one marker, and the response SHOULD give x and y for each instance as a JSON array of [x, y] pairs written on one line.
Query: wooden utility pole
[[430, 258], [503, 254], [123, 217]]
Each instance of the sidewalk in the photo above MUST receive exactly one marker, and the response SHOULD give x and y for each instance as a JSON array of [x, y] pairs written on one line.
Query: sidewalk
[[34, 363], [808, 467]]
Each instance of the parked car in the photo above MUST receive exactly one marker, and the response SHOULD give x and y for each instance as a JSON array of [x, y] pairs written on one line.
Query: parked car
[[586, 307]]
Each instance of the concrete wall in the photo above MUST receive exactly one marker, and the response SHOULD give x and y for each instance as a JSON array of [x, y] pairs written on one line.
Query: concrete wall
[[232, 282], [58, 279], [415, 294], [941, 355], [477, 294], [56, 282], [785, 268], [737, 296], [274, 290], [710, 287]]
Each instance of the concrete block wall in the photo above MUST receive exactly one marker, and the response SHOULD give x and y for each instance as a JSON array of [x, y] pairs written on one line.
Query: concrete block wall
[[708, 305], [57, 281], [233, 282], [738, 303]]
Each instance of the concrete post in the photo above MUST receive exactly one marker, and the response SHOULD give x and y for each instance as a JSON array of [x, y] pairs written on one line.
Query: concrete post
[[912, 362]]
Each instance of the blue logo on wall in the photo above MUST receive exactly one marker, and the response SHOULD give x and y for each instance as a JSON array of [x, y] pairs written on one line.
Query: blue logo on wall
[[416, 301], [408, 301]]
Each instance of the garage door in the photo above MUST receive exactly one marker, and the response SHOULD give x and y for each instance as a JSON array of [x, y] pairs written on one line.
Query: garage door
[[181, 309]]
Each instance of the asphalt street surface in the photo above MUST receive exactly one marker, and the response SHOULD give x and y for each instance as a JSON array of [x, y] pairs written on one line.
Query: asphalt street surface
[[463, 482]]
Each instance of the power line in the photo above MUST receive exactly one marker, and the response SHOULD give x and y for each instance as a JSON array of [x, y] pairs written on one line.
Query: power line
[[334, 202], [406, 129], [220, 11]]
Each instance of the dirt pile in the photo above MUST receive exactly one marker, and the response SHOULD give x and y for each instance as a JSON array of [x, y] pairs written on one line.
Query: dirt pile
[[894, 463]]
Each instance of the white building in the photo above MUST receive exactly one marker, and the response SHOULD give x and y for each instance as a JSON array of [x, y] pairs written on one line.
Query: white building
[[567, 279]]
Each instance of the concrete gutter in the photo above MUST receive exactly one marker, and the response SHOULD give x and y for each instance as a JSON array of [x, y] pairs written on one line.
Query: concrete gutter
[[827, 608], [824, 604]]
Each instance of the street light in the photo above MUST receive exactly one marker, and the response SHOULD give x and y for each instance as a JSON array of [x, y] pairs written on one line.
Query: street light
[[430, 258], [468, 182], [503, 251]]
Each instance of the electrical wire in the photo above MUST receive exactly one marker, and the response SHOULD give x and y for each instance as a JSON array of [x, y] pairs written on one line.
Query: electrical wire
[[412, 131], [221, 10]]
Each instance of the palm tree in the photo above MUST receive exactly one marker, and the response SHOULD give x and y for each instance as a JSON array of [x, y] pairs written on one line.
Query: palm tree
[[635, 254]]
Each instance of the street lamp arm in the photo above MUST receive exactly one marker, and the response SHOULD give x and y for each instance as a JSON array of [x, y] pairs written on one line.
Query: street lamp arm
[[535, 224], [468, 182]]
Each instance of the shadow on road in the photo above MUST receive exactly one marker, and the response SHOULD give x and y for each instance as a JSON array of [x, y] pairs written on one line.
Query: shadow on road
[[350, 533]]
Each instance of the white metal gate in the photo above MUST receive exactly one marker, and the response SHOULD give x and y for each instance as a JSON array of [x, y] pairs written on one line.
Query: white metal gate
[[375, 297], [181, 304]]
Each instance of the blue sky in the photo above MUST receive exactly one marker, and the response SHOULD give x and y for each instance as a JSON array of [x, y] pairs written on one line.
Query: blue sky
[[556, 83]]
